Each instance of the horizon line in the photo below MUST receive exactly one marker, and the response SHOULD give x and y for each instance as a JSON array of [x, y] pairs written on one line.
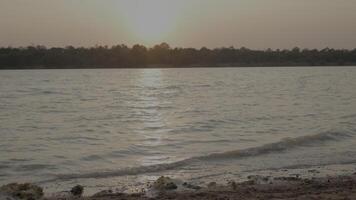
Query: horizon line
[[170, 47]]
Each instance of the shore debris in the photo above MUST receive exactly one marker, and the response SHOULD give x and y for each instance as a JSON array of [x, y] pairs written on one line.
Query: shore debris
[[77, 191], [232, 184], [287, 179], [25, 191], [164, 183], [106, 193], [190, 186], [212, 185], [314, 171]]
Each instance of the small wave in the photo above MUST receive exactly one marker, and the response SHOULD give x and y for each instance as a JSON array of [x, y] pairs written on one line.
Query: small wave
[[191, 142], [304, 166], [151, 107], [4, 166], [282, 145], [32, 167], [75, 138], [348, 116], [92, 158], [127, 171], [174, 87]]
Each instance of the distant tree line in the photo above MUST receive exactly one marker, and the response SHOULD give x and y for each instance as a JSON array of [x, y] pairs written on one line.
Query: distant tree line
[[162, 55]]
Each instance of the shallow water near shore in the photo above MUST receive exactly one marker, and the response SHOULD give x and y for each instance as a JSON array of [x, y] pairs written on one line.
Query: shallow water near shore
[[119, 128]]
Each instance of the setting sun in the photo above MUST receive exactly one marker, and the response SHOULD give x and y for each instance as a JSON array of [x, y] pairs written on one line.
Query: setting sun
[[152, 21]]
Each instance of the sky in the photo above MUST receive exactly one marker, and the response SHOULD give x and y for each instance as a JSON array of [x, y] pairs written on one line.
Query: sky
[[256, 24]]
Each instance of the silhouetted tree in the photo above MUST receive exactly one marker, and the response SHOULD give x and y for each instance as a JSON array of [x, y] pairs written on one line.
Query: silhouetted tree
[[119, 56]]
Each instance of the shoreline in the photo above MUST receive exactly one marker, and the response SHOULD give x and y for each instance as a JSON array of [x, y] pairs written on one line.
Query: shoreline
[[158, 66], [256, 187]]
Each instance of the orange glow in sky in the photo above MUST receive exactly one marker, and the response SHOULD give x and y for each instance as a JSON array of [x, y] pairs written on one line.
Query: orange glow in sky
[[257, 24]]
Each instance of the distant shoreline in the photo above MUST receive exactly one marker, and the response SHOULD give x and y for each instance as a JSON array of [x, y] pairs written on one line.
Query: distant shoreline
[[171, 67], [164, 56]]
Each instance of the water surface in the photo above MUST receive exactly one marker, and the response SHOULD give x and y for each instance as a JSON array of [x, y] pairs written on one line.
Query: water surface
[[110, 127]]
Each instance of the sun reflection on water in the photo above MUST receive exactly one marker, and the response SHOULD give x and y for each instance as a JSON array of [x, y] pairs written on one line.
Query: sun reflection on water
[[154, 126]]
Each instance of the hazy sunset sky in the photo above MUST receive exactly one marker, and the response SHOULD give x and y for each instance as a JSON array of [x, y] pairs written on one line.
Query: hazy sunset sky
[[257, 24]]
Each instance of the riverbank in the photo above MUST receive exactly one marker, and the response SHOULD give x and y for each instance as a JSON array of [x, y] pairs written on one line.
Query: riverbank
[[285, 188], [343, 187], [279, 188], [257, 187]]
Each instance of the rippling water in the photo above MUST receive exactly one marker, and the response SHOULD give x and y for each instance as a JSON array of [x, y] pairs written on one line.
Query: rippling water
[[109, 127]]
